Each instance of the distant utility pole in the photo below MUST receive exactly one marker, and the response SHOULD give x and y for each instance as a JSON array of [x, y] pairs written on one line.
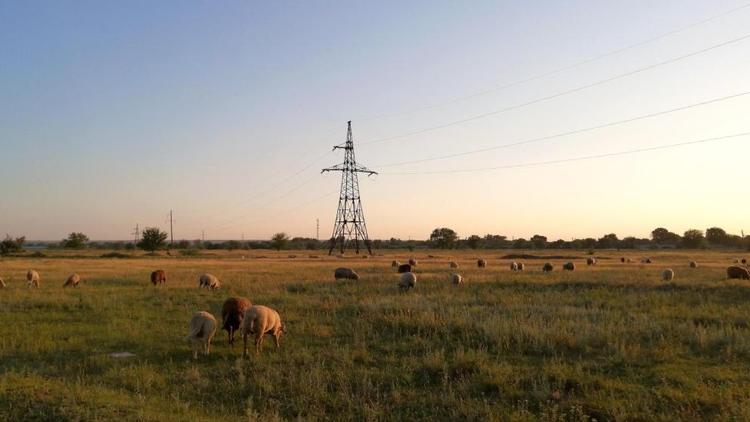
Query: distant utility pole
[[203, 236], [171, 229], [317, 229], [136, 234]]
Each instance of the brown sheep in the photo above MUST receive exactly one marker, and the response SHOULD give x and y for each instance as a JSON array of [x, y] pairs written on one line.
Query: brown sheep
[[158, 277], [591, 261], [569, 266], [209, 281], [646, 261], [457, 279], [738, 272], [404, 268], [201, 330], [407, 281], [548, 267], [453, 264], [693, 264], [261, 320], [520, 266], [622, 259], [412, 262], [345, 273], [232, 314], [667, 275], [744, 261], [395, 264], [481, 263], [32, 278], [72, 281]]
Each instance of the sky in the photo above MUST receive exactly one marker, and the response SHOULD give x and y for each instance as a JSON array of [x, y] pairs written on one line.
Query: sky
[[113, 113]]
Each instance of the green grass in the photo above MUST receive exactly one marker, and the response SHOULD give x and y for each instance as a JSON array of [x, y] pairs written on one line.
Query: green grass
[[610, 342]]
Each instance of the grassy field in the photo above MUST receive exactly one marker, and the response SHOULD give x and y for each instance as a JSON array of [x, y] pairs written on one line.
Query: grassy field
[[610, 342]]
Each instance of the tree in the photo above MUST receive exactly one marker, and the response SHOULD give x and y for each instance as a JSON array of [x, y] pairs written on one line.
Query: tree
[[539, 241], [693, 239], [152, 239], [10, 245], [608, 241], [75, 240], [663, 236], [279, 241], [443, 238], [716, 236], [473, 241]]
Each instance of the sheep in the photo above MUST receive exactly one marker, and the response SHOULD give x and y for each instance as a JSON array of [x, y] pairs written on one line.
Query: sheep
[[737, 261], [591, 261], [209, 281], [32, 278], [412, 262], [232, 314], [457, 279], [453, 264], [520, 266], [72, 281], [2, 283], [404, 268], [481, 263], [548, 267], [514, 266], [693, 264], [395, 264], [738, 272], [158, 277], [744, 261], [646, 261], [261, 320], [407, 281], [667, 275], [569, 266], [201, 330], [345, 273], [622, 259]]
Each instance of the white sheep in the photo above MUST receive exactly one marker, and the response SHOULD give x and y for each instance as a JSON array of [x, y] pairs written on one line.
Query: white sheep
[[32, 278], [667, 275], [209, 281], [2, 283], [457, 279], [408, 281], [514, 266], [202, 330], [261, 320], [72, 281]]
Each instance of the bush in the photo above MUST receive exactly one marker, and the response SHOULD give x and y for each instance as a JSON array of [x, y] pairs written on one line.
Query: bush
[[115, 255]]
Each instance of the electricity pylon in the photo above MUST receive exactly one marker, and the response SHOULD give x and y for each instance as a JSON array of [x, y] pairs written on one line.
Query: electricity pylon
[[349, 228]]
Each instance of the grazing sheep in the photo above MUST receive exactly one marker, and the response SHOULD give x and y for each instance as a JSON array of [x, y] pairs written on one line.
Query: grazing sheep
[[744, 261], [407, 281], [693, 264], [646, 260], [667, 275], [72, 281], [232, 314], [569, 266], [404, 268], [520, 266], [202, 330], [261, 320], [622, 259], [548, 267], [345, 273], [738, 272], [514, 266], [2, 283], [395, 264], [454, 264], [158, 277], [457, 279], [412, 262], [591, 261], [32, 278], [209, 281], [481, 263]]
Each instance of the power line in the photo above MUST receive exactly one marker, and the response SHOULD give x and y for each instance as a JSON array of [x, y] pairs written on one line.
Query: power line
[[563, 68], [568, 133], [585, 157], [562, 93]]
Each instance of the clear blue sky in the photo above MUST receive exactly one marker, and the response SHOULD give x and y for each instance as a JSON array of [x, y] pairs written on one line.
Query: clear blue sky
[[111, 113]]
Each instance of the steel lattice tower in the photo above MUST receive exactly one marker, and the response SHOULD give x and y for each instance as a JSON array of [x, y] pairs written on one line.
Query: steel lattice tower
[[349, 228]]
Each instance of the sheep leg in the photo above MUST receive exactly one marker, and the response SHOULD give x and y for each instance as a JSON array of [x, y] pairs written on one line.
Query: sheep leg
[[258, 343], [231, 335], [276, 337]]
